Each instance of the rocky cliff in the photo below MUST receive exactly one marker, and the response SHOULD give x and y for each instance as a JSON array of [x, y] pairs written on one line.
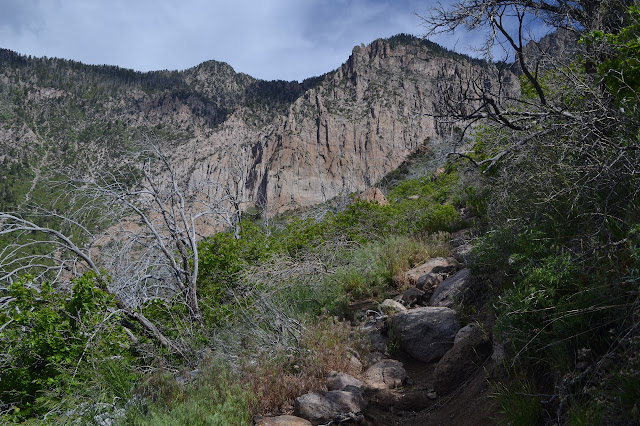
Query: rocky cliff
[[289, 144]]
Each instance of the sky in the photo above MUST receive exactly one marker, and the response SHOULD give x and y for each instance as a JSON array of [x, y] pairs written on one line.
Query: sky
[[267, 39]]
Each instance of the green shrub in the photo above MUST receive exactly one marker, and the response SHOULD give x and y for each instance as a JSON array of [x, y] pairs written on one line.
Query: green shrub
[[216, 397], [50, 340]]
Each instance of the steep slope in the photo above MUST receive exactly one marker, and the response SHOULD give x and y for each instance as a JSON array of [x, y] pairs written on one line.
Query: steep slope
[[289, 144]]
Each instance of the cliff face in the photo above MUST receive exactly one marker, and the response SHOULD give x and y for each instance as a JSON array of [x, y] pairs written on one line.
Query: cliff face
[[289, 144]]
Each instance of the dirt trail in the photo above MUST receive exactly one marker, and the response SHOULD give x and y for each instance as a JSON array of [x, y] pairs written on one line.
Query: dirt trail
[[415, 404]]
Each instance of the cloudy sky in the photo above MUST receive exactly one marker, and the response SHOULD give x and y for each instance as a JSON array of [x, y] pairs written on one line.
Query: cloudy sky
[[269, 39]]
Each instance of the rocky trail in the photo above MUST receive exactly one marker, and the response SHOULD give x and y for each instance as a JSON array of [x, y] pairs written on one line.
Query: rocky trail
[[428, 364]]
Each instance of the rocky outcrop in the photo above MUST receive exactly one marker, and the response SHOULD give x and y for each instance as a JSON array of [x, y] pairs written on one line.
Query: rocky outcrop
[[413, 275], [282, 144], [373, 195]]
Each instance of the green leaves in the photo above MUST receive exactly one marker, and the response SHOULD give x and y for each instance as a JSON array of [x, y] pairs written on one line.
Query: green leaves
[[47, 333]]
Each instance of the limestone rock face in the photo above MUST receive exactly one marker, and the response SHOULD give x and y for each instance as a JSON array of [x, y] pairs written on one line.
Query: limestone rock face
[[279, 145], [426, 333]]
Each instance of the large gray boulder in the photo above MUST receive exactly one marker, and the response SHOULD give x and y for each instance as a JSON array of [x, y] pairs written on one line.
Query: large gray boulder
[[283, 421], [326, 406], [471, 349], [385, 374], [425, 333], [464, 236], [451, 291]]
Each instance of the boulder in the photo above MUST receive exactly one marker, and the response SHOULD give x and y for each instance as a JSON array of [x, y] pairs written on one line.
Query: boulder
[[385, 374], [282, 421], [412, 297], [372, 332], [429, 281], [462, 253], [445, 271], [414, 274], [450, 292], [425, 333], [339, 381], [390, 307], [461, 237], [437, 173], [326, 406], [373, 195], [471, 349]]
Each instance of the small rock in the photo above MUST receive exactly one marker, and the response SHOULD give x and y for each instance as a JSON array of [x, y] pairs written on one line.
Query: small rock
[[412, 297], [326, 406], [339, 381], [413, 197], [390, 307], [385, 374], [282, 421], [426, 333]]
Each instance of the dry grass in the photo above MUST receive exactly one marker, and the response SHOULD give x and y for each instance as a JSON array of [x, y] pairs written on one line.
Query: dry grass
[[324, 347]]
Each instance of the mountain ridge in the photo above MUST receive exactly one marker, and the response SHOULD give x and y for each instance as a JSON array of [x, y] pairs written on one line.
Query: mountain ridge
[[299, 143]]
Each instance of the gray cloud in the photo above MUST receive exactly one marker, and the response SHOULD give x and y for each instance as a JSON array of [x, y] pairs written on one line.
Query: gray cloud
[[275, 39]]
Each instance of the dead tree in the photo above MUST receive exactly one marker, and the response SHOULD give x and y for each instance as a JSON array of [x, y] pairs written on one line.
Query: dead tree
[[151, 221]]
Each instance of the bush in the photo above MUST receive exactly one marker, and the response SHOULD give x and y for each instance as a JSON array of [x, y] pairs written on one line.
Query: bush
[[51, 343], [217, 397]]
